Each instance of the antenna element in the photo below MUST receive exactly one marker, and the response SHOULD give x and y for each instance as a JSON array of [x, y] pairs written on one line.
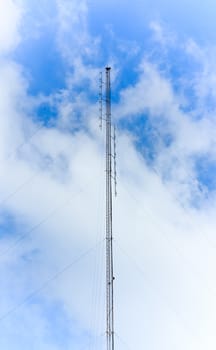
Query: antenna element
[[100, 99]]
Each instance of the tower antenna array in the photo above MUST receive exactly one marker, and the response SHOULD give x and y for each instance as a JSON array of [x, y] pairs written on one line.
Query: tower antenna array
[[100, 100]]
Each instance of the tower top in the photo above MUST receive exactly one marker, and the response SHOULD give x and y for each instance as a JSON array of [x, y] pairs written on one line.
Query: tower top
[[108, 68]]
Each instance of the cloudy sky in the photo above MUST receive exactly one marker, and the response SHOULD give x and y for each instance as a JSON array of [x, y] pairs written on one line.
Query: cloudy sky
[[52, 190]]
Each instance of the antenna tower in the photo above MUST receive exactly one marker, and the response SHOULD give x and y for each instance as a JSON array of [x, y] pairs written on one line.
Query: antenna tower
[[109, 233]]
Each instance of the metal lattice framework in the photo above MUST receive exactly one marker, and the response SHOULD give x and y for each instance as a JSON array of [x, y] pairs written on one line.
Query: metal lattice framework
[[109, 233]]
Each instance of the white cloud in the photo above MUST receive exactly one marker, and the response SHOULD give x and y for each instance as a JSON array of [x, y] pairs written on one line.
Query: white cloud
[[151, 91], [73, 39], [10, 17], [204, 80], [161, 34], [154, 95]]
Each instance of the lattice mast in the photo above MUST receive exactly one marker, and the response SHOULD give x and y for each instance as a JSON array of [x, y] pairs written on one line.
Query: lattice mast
[[109, 233]]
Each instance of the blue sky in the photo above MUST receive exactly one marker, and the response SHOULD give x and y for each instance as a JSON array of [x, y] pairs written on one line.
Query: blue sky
[[52, 194]]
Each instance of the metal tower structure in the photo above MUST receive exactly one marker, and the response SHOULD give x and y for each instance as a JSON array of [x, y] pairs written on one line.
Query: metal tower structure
[[109, 232]]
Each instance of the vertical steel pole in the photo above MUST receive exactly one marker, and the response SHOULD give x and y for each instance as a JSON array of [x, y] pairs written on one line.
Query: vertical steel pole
[[109, 236]]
